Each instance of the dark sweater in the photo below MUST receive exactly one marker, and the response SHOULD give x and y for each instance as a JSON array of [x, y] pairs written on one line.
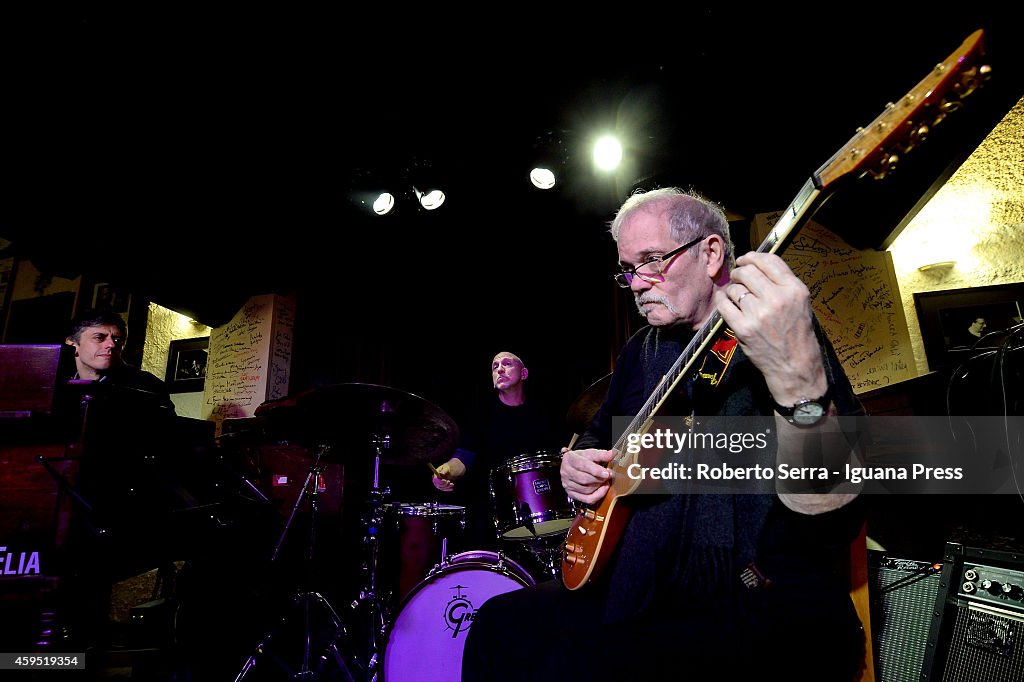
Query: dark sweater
[[685, 551]]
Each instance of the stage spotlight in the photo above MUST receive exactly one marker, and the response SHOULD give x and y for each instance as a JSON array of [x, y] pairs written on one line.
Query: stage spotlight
[[542, 178], [431, 199], [607, 153], [384, 203], [550, 159]]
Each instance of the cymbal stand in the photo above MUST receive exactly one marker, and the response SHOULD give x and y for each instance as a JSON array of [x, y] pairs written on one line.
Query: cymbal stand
[[369, 594], [306, 599]]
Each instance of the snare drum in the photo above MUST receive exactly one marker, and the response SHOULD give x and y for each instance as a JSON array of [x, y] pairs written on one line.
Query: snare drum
[[429, 634], [528, 497], [415, 540]]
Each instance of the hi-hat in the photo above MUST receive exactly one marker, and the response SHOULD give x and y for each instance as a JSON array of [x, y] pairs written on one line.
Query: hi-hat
[[353, 418]]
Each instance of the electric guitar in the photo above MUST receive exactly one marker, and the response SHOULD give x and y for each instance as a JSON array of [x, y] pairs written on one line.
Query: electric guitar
[[875, 151]]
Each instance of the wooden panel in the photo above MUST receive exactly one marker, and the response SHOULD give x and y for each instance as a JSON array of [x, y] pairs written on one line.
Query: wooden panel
[[28, 379], [34, 516]]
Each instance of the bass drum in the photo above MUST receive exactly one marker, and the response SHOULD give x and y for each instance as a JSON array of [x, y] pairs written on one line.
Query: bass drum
[[428, 637]]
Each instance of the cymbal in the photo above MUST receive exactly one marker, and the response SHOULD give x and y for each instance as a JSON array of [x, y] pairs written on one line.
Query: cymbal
[[586, 405], [354, 418]]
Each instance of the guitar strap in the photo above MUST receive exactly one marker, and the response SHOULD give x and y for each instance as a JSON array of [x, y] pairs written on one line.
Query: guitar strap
[[716, 360]]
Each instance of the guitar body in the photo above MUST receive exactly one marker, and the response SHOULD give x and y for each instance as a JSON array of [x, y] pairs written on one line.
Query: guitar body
[[592, 539], [875, 150]]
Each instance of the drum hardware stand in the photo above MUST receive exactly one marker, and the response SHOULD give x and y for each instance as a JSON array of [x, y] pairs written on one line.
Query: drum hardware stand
[[548, 553], [307, 599], [545, 549], [369, 593]]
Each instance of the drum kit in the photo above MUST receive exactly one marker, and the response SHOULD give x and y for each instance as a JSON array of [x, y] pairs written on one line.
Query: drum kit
[[417, 596]]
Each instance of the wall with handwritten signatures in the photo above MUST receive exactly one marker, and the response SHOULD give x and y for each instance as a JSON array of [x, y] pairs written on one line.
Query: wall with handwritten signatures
[[856, 298], [250, 358]]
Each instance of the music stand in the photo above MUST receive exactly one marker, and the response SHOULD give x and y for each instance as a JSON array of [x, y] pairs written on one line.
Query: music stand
[[305, 599]]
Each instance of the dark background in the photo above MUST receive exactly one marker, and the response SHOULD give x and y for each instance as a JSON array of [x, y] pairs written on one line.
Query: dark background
[[200, 157]]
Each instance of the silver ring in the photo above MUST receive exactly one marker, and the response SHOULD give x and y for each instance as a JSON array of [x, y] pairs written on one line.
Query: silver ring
[[742, 296]]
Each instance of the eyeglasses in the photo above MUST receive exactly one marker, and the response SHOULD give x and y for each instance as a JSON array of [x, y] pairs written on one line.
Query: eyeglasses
[[651, 269]]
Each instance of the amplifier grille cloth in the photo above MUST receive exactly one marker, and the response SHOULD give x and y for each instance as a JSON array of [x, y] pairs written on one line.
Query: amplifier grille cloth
[[900, 617], [973, 657]]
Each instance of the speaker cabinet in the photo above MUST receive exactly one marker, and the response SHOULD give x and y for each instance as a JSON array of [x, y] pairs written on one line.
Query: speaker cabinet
[[903, 593], [978, 620]]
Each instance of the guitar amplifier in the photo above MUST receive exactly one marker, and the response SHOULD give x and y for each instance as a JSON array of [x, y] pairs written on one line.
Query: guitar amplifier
[[903, 595], [978, 620]]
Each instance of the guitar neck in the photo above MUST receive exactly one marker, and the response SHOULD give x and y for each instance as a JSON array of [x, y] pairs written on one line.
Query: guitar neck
[[796, 215]]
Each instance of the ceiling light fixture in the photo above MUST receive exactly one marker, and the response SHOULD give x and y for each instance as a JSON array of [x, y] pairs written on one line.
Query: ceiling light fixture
[[431, 199], [542, 178], [607, 153], [384, 203]]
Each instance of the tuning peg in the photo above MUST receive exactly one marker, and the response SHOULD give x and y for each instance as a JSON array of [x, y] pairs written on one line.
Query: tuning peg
[[918, 135], [949, 106], [971, 80], [886, 165], [945, 108]]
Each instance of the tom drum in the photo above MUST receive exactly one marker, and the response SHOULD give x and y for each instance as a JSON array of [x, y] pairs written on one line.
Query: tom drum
[[528, 497], [415, 540]]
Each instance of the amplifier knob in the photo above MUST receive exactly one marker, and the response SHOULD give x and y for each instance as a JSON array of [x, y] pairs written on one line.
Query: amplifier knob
[[991, 586], [1013, 591]]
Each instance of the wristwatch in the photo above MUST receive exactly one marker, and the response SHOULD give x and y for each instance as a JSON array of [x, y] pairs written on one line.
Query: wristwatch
[[806, 412]]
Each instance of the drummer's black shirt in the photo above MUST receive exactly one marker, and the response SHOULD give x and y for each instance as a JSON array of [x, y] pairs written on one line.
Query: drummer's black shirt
[[492, 435]]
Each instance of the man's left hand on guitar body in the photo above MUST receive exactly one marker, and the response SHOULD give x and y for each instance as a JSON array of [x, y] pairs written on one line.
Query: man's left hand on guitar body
[[769, 309], [585, 475]]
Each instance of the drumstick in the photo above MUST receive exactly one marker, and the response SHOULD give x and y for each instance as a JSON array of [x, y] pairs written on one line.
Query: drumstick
[[439, 476]]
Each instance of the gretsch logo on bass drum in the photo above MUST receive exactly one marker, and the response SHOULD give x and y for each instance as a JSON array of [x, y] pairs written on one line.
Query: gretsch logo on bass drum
[[459, 613]]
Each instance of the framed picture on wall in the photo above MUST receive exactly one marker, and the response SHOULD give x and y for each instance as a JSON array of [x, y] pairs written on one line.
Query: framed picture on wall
[[958, 322], [112, 297], [186, 365]]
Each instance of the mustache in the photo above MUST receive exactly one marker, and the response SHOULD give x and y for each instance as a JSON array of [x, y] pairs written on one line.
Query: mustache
[[650, 297]]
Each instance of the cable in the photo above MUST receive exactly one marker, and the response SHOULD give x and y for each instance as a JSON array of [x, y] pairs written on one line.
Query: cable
[[1004, 348]]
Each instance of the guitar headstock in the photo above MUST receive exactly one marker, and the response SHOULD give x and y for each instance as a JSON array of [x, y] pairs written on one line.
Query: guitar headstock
[[875, 150]]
